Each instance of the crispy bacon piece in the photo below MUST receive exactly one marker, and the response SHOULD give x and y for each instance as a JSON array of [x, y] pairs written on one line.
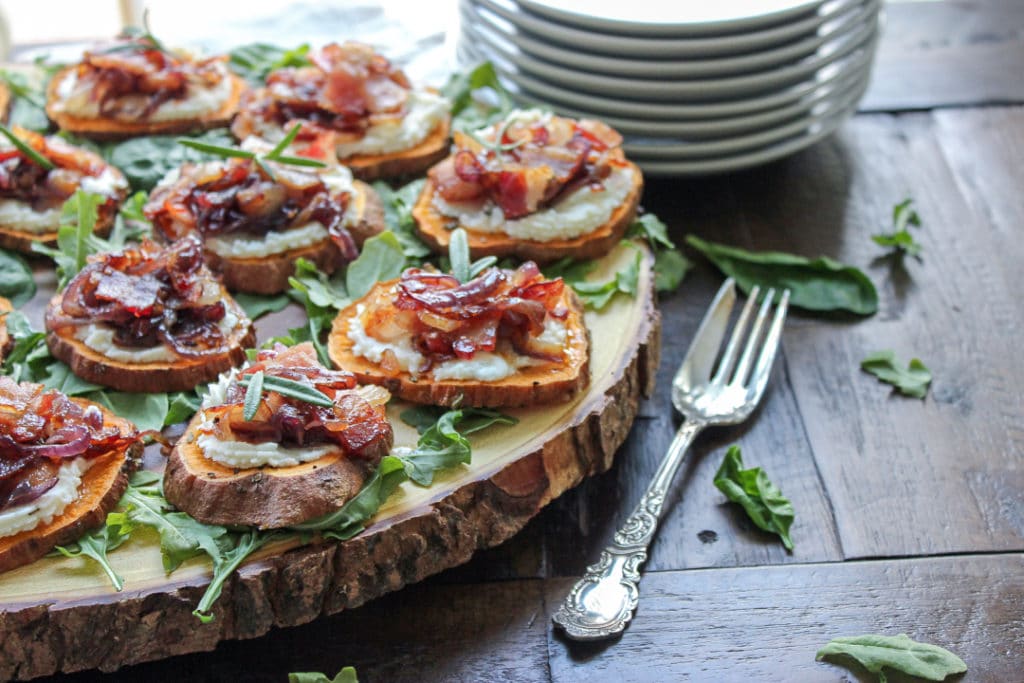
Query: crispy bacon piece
[[531, 166], [133, 77], [38, 429], [238, 196], [348, 88], [24, 180], [446, 319], [355, 422], [150, 295]]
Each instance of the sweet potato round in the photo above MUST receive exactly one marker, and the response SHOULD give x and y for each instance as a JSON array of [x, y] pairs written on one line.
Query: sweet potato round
[[265, 497], [102, 486], [115, 129], [435, 229], [269, 274], [179, 375], [409, 162], [548, 383]]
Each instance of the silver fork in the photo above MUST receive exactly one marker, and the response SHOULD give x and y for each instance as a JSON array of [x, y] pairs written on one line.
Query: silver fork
[[602, 602]]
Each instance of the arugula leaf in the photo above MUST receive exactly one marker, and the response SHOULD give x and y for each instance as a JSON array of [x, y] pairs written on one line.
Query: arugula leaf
[[346, 675], [28, 358], [875, 653], [75, 237], [382, 258], [597, 295], [478, 98], [16, 282], [146, 160], [442, 441], [255, 61], [130, 224], [98, 542], [900, 239], [232, 551], [348, 521], [256, 305], [912, 381], [181, 536], [398, 216], [819, 284], [312, 287], [763, 501]]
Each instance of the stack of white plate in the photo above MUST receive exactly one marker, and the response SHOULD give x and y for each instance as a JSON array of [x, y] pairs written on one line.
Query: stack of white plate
[[695, 87]]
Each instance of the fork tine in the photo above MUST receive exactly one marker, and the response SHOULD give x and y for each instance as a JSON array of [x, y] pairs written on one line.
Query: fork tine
[[700, 357], [763, 369], [743, 367], [725, 366]]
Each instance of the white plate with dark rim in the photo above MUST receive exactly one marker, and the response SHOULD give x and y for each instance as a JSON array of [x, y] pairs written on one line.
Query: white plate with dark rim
[[720, 127], [670, 19], [662, 149], [629, 46], [653, 89], [628, 107], [701, 167], [530, 49]]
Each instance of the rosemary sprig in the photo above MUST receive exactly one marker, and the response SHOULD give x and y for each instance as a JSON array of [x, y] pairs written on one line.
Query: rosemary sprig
[[33, 156], [253, 393], [289, 388], [276, 154], [496, 145]]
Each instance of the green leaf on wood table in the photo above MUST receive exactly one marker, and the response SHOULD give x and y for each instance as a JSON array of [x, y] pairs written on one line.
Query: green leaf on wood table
[[346, 675], [900, 239], [762, 500], [819, 284], [910, 381], [876, 653]]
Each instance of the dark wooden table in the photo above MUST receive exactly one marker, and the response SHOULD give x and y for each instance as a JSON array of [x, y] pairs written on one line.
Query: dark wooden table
[[909, 513]]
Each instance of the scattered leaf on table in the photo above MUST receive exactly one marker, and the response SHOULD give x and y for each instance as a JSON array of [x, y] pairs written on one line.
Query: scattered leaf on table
[[762, 500], [875, 653], [911, 381]]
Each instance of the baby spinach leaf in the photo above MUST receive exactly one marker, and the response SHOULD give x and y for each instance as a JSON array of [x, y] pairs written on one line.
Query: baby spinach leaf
[[146, 411], [255, 61], [911, 381], [762, 500], [256, 305], [819, 284], [146, 160], [181, 406], [346, 675], [16, 282], [876, 653], [900, 239], [382, 258], [670, 267], [28, 101], [29, 356]]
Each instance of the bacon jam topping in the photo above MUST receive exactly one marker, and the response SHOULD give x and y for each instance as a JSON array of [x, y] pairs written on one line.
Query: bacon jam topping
[[22, 179], [149, 295], [132, 78], [348, 89], [39, 429], [355, 422], [527, 163], [498, 311], [239, 196]]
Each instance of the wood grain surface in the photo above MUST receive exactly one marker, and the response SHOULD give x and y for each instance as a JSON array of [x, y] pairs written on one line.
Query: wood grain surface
[[909, 513]]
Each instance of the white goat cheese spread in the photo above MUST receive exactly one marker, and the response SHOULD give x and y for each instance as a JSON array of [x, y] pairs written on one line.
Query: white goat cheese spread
[[484, 366], [76, 99], [100, 338], [51, 504], [579, 213], [426, 110], [18, 215]]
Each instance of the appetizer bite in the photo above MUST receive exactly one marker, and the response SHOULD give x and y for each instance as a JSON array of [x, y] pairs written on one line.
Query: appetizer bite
[[355, 102], [535, 186], [65, 464], [257, 217], [38, 174], [5, 336], [148, 318], [139, 87], [280, 442], [505, 338]]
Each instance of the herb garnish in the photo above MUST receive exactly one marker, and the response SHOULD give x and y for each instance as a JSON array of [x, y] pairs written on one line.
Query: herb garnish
[[276, 155], [912, 381], [253, 394], [496, 146], [876, 653], [255, 61], [285, 387], [762, 500], [26, 149], [903, 216]]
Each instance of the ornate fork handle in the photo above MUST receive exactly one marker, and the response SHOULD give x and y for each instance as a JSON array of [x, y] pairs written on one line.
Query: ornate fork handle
[[602, 602]]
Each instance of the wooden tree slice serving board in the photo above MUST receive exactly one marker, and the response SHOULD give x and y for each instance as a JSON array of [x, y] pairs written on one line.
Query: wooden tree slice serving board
[[61, 615]]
